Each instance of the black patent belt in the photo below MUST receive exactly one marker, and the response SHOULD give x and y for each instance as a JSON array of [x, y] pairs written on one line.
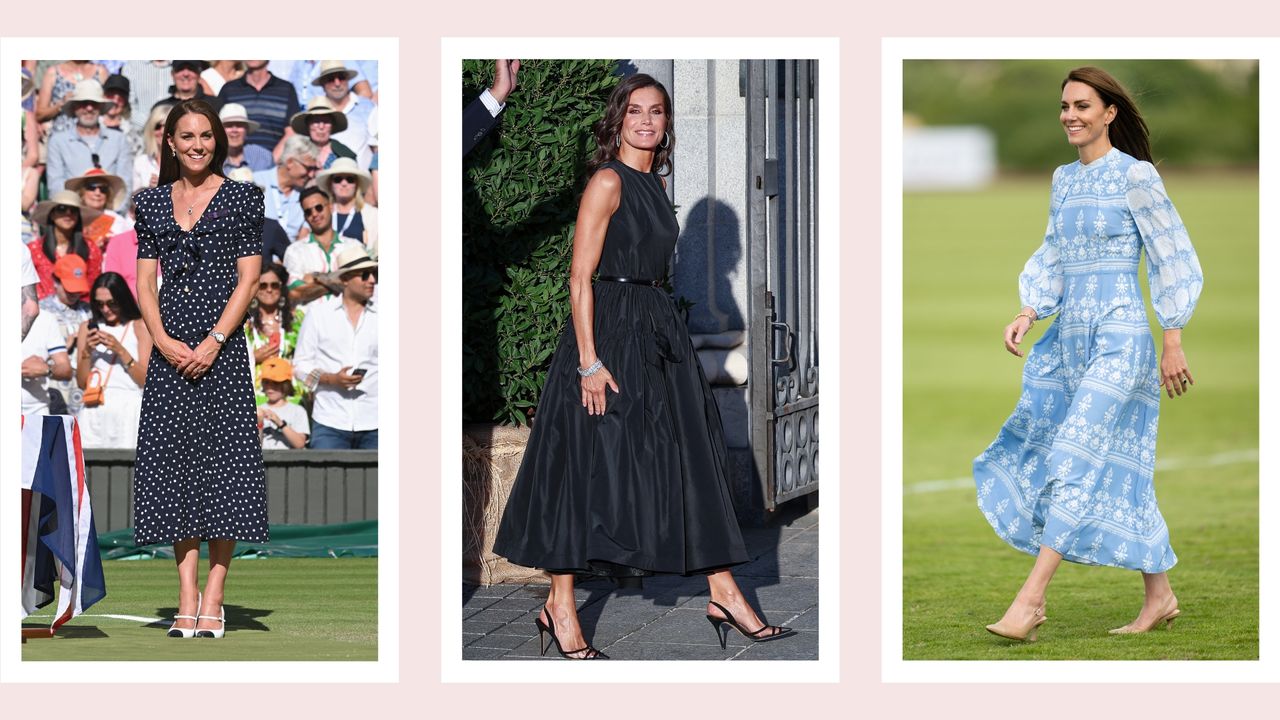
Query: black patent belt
[[633, 281]]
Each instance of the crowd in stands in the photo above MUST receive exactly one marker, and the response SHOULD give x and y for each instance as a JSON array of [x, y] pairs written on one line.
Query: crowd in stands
[[306, 132]]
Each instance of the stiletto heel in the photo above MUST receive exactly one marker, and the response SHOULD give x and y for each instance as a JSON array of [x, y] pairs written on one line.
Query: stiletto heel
[[549, 627], [191, 631], [754, 636], [221, 617]]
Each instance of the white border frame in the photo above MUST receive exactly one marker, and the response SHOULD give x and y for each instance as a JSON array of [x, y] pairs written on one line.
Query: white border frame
[[387, 667], [453, 667], [893, 52]]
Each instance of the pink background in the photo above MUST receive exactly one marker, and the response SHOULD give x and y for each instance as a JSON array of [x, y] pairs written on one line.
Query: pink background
[[860, 28]]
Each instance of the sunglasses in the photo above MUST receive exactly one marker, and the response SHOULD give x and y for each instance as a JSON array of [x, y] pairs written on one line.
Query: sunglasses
[[326, 79], [269, 285], [96, 187], [64, 209], [311, 169], [106, 303], [351, 179], [362, 274], [159, 126], [318, 208]]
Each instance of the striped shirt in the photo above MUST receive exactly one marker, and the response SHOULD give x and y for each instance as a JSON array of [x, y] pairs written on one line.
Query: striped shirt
[[148, 83], [272, 107]]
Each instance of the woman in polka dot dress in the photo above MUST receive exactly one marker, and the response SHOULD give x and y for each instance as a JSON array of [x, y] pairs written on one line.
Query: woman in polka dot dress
[[198, 475]]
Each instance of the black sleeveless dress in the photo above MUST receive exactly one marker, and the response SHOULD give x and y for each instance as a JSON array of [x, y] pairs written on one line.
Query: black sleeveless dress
[[643, 488]]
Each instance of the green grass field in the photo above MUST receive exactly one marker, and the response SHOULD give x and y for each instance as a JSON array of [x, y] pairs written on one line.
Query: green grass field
[[277, 609], [962, 256]]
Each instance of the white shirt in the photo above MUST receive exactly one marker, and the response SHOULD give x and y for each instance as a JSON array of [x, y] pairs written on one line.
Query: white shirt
[[306, 256], [284, 208], [294, 415], [29, 274], [356, 136], [327, 342], [44, 340]]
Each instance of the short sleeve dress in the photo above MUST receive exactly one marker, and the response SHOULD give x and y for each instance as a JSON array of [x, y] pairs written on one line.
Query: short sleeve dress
[[198, 472]]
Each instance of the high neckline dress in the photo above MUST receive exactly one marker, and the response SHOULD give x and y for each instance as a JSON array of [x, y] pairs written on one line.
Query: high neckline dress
[[643, 488], [199, 472], [1072, 468]]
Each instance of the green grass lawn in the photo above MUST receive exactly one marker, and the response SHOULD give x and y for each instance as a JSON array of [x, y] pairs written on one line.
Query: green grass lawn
[[962, 256], [277, 609]]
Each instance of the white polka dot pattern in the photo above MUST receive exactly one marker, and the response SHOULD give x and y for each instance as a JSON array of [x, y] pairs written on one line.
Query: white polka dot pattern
[[198, 472]]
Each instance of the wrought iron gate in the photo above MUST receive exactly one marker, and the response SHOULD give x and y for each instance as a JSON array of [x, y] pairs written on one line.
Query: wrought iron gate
[[782, 170]]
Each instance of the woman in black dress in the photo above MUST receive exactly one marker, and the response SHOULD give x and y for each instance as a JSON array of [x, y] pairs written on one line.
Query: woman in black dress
[[625, 473], [198, 474]]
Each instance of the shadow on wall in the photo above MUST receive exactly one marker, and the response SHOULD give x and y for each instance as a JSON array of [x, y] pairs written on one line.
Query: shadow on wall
[[710, 248]]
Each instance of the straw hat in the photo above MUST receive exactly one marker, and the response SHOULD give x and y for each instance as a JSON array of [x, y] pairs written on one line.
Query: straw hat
[[87, 91], [343, 166], [63, 197], [28, 84], [318, 106], [353, 257], [114, 183], [235, 112], [333, 67]]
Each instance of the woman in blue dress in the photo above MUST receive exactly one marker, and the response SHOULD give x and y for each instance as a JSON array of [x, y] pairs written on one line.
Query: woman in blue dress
[[1070, 474]]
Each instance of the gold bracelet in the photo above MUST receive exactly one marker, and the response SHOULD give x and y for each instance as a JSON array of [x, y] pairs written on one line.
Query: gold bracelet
[[1027, 316]]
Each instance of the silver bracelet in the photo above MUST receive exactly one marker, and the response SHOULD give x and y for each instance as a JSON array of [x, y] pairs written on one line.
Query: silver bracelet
[[591, 370]]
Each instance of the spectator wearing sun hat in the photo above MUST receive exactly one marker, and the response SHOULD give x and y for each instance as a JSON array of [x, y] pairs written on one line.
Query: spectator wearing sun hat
[[101, 191], [346, 184], [60, 220], [88, 144], [240, 153], [335, 77], [304, 74], [320, 122], [281, 424], [337, 358]]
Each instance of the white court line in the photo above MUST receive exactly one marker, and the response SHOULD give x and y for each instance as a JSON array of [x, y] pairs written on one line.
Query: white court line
[[1230, 457], [134, 618]]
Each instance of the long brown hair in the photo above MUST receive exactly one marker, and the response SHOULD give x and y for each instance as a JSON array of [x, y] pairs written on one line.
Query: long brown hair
[[169, 168], [1128, 131], [607, 129]]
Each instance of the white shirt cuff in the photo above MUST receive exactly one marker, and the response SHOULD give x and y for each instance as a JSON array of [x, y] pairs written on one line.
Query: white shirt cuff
[[491, 102]]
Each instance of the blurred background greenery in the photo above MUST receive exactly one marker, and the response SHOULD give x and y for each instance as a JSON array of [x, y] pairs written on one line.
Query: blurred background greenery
[[1201, 113]]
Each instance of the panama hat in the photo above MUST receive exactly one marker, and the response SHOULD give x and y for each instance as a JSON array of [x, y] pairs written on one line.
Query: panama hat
[[343, 166], [333, 67], [63, 197], [114, 183], [87, 91], [317, 106], [235, 112], [353, 257]]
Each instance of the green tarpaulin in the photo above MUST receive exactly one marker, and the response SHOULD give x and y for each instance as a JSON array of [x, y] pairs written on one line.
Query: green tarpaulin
[[357, 539]]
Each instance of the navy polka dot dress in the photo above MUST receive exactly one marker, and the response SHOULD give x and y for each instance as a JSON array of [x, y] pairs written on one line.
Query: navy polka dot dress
[[198, 472]]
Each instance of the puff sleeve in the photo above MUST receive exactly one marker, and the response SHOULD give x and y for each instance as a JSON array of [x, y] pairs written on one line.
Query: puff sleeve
[[249, 230], [1173, 269], [1040, 284]]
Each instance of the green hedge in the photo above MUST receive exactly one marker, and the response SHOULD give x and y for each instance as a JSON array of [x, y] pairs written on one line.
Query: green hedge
[[520, 194]]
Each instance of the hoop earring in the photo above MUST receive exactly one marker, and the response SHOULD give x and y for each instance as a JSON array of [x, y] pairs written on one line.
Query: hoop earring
[[617, 141], [666, 140]]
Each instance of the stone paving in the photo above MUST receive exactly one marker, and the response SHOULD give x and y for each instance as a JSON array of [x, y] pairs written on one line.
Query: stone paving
[[666, 619]]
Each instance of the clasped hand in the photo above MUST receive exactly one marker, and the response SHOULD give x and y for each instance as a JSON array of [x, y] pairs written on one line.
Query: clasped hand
[[192, 364], [593, 394]]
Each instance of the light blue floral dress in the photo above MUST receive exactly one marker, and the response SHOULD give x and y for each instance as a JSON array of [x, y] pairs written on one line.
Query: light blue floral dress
[[1072, 467]]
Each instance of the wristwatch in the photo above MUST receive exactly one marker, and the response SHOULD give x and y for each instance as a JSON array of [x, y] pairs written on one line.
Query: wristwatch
[[218, 337]]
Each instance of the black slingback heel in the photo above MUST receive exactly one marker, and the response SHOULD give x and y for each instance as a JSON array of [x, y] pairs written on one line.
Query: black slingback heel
[[722, 633], [549, 627]]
